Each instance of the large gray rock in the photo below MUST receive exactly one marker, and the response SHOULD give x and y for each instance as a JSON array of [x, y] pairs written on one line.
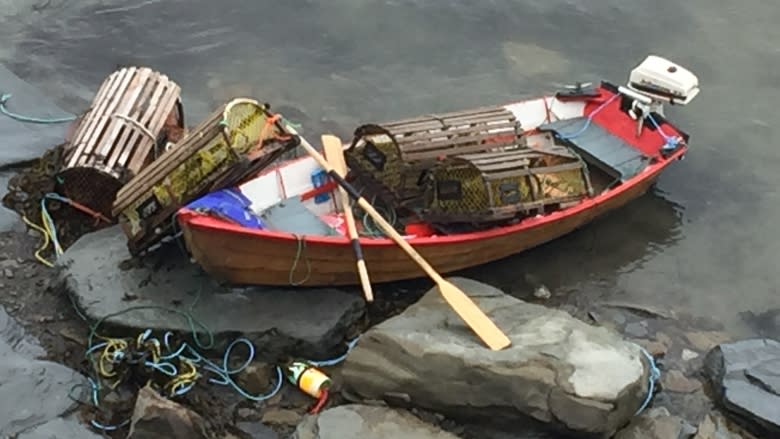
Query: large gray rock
[[366, 422], [308, 322], [558, 370], [34, 393], [746, 379]]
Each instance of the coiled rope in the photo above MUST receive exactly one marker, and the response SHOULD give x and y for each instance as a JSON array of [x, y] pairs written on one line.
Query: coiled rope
[[180, 365]]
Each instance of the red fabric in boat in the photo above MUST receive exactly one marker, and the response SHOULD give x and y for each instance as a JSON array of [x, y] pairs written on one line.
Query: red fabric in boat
[[620, 124]]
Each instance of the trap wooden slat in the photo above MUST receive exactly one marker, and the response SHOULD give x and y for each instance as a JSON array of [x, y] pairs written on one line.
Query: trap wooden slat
[[119, 135]]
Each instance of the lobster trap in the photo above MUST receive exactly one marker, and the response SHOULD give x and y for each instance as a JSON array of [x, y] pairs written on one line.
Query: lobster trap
[[135, 114], [235, 142], [499, 185], [391, 159]]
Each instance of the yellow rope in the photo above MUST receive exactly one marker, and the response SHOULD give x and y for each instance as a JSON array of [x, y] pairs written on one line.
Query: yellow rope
[[45, 241]]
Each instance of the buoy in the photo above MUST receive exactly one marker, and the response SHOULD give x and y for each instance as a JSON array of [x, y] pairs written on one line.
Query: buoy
[[311, 381]]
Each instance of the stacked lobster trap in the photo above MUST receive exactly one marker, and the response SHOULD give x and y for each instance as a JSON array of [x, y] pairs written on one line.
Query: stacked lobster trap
[[236, 141], [468, 166]]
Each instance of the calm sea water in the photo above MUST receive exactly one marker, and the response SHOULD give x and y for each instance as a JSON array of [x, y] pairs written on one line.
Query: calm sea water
[[704, 241]]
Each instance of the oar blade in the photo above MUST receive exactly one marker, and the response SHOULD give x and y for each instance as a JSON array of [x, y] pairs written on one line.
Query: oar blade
[[474, 317]]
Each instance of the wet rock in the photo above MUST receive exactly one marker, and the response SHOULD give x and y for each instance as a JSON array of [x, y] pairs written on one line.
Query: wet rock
[[282, 417], [688, 355], [33, 393], [705, 340], [657, 424], [309, 322], [676, 381], [715, 427], [155, 417], [654, 347], [246, 414], [367, 422], [542, 292], [766, 323], [558, 370], [69, 428], [636, 329], [257, 378], [257, 430], [746, 380]]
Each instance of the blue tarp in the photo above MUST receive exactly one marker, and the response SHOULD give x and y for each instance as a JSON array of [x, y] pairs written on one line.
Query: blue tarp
[[229, 204]]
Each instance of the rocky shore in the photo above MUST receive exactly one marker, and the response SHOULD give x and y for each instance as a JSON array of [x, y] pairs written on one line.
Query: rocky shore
[[416, 371]]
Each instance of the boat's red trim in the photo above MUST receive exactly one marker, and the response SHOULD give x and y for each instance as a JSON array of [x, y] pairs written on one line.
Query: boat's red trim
[[615, 121], [195, 219]]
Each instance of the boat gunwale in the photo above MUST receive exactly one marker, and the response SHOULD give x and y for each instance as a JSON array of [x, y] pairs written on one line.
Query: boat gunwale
[[189, 218]]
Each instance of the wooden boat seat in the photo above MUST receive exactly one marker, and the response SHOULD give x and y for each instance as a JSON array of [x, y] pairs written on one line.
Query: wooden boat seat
[[599, 147], [392, 157], [133, 117]]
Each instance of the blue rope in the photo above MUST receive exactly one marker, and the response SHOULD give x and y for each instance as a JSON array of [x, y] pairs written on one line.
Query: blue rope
[[5, 97], [336, 360], [655, 375], [671, 142], [589, 119]]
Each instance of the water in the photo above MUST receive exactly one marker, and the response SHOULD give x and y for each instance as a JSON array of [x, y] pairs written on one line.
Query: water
[[704, 241]]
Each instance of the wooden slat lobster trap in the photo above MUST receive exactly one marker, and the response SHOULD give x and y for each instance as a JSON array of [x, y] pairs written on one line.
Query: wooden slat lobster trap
[[391, 159], [234, 142], [494, 186], [134, 115]]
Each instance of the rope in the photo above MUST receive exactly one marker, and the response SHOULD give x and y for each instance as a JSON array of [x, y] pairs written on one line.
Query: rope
[[5, 97], [45, 244], [589, 119], [655, 375], [671, 142], [300, 252]]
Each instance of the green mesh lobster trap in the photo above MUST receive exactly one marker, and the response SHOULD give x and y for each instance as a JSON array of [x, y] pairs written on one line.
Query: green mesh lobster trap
[[236, 141], [392, 159], [500, 185]]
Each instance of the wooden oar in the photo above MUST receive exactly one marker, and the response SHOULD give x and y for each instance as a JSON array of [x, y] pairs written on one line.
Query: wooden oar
[[334, 152], [462, 304]]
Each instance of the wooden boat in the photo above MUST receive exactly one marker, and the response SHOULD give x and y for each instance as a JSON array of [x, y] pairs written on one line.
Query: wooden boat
[[624, 155]]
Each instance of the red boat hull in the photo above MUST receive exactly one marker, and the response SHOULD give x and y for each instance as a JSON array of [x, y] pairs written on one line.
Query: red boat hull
[[261, 257]]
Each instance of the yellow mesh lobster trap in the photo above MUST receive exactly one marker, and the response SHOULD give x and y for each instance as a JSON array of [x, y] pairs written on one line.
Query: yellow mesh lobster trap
[[500, 185], [391, 159], [234, 142]]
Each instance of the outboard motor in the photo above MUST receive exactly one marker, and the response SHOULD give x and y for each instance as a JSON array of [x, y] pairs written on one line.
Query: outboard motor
[[657, 81]]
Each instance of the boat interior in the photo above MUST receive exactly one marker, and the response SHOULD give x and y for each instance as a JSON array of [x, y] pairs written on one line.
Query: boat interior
[[599, 126]]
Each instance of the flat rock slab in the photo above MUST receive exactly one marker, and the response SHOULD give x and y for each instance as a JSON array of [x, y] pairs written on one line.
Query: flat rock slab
[[746, 378], [366, 422], [24, 141], [65, 428], [34, 393], [559, 370], [279, 321]]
